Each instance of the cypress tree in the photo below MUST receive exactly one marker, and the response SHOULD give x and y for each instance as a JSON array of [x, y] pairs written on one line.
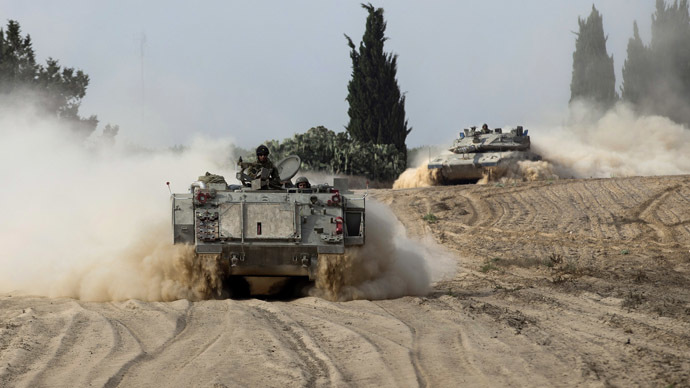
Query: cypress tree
[[593, 75], [636, 70], [656, 78], [377, 108]]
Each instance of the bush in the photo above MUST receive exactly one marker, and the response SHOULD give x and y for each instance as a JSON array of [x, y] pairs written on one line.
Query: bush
[[324, 150]]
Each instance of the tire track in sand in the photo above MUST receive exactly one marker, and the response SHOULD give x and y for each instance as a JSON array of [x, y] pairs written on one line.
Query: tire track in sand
[[75, 343], [143, 356], [321, 371], [384, 347]]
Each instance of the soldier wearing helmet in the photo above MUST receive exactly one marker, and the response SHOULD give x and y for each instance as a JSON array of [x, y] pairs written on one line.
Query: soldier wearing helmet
[[262, 161], [302, 183]]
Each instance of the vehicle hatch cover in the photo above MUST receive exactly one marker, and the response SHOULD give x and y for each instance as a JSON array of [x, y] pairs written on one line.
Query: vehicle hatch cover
[[288, 167]]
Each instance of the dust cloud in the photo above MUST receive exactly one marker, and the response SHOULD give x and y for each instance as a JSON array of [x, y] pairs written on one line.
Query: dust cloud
[[420, 175], [89, 220], [388, 265], [591, 144], [417, 177], [152, 269], [618, 144], [522, 171]]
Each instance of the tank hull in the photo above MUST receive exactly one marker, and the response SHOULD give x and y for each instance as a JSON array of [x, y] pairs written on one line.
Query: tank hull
[[461, 168]]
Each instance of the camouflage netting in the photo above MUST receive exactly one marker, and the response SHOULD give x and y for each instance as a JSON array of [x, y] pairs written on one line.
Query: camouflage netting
[[324, 150]]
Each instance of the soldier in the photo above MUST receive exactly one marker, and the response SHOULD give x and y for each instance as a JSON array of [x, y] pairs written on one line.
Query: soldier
[[485, 128], [302, 183], [262, 161]]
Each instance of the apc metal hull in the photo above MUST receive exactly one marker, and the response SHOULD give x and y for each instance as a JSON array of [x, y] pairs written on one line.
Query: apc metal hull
[[268, 232]]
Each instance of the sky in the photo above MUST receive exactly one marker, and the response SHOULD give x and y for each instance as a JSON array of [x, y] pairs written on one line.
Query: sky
[[249, 71]]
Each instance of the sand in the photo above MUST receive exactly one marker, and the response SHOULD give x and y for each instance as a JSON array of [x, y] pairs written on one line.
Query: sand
[[565, 283]]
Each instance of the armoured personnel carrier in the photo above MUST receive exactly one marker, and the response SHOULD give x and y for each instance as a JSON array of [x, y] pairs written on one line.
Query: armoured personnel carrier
[[481, 152], [252, 229]]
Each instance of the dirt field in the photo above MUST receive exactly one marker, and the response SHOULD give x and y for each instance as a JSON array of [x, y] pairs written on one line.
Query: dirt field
[[570, 283]]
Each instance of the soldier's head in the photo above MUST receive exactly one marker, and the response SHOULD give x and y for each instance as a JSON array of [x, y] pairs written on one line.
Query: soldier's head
[[262, 153], [302, 183]]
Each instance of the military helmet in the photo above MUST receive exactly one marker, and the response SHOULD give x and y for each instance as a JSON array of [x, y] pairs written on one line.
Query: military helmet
[[262, 150], [302, 179]]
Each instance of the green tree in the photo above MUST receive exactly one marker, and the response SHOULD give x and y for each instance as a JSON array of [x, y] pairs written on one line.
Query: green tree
[[593, 75], [656, 78], [636, 70], [55, 90], [670, 34], [377, 108], [17, 61]]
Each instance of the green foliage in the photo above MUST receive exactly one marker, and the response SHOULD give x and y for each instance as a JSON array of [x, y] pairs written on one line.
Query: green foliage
[[323, 150], [109, 134], [636, 69], [656, 78], [415, 153], [58, 91], [377, 108], [593, 75], [17, 61], [430, 218], [489, 265]]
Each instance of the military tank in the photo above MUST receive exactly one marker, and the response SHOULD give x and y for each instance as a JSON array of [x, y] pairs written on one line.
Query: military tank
[[477, 153], [252, 229]]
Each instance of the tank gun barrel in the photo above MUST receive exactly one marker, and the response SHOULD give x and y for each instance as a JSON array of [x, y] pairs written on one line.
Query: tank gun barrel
[[464, 149]]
